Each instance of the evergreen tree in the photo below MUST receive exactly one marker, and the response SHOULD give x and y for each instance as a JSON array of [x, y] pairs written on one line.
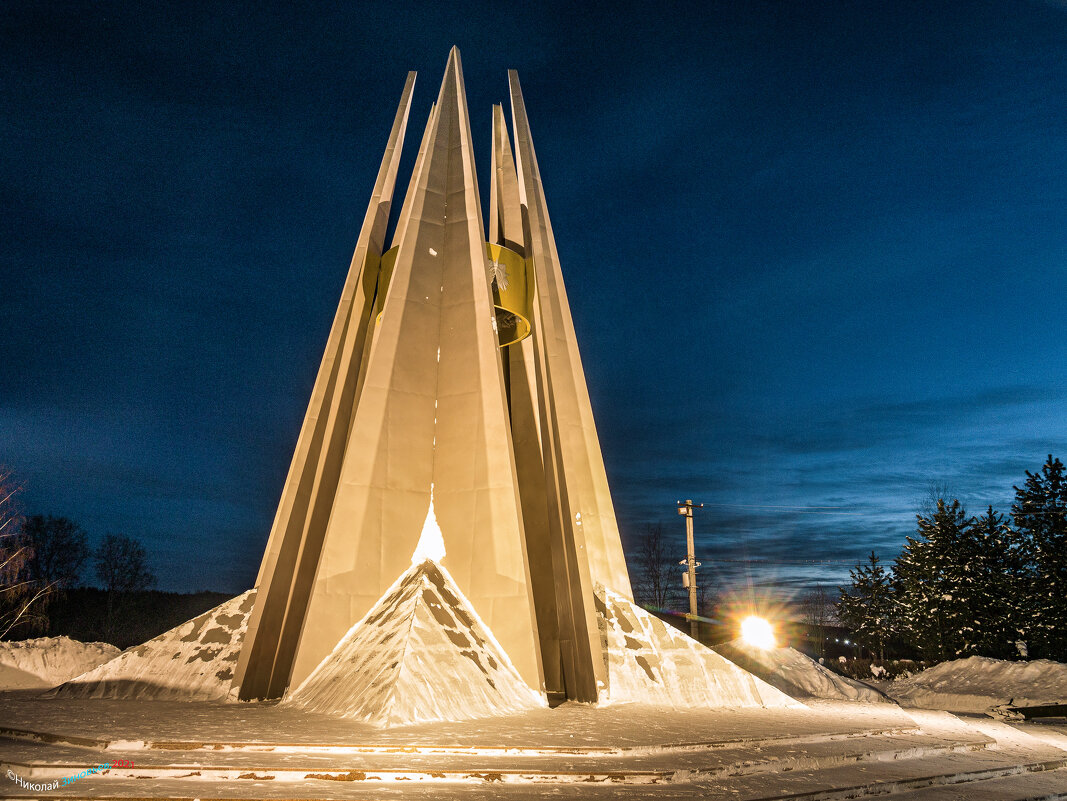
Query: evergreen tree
[[937, 585], [1000, 586], [1040, 514], [867, 606]]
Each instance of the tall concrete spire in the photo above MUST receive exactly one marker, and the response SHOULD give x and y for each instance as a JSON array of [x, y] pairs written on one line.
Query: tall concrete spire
[[583, 479], [300, 521], [432, 417], [505, 212]]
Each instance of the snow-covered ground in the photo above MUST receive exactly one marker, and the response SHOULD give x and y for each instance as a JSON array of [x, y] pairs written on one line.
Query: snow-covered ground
[[143, 724], [978, 684], [167, 749], [47, 661], [797, 674]]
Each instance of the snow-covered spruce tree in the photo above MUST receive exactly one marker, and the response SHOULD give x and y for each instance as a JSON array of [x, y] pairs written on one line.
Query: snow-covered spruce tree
[[867, 606], [936, 585], [1040, 515], [999, 585]]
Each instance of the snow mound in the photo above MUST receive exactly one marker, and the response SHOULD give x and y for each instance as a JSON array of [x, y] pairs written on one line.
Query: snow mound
[[977, 683], [191, 662], [798, 675], [421, 654], [48, 661], [653, 663]]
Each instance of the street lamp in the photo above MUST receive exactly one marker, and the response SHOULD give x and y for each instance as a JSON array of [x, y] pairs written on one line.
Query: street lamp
[[690, 577], [757, 632]]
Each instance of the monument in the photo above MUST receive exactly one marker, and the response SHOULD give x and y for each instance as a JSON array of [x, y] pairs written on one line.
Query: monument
[[451, 373], [445, 548], [445, 545]]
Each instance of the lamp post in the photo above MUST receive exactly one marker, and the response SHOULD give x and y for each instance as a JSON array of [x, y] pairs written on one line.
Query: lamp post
[[686, 508]]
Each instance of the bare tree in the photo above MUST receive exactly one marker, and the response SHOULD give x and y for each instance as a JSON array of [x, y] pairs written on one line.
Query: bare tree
[[60, 547], [122, 567], [20, 596], [9, 516], [654, 579], [939, 490], [706, 598], [818, 608]]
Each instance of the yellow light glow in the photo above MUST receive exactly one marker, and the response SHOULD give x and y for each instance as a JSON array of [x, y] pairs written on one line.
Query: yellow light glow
[[757, 632]]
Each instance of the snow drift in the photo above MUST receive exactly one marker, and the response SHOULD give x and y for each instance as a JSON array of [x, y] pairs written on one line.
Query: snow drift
[[977, 684], [48, 661], [796, 674], [653, 663], [420, 654], [191, 662]]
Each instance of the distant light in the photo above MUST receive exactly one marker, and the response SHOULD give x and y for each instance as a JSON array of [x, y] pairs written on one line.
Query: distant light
[[757, 632]]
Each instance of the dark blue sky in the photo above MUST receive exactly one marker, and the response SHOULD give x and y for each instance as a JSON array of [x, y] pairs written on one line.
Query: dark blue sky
[[816, 253]]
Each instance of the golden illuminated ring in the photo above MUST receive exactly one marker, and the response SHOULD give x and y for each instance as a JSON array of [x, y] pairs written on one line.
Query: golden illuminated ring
[[512, 282], [513, 293]]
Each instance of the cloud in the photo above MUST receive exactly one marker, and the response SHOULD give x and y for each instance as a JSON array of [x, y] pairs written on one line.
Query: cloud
[[870, 461]]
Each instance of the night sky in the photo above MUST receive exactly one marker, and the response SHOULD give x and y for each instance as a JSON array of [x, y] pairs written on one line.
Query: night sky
[[816, 253]]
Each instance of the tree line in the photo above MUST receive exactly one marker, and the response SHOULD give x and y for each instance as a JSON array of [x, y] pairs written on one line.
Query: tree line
[[43, 557], [986, 585]]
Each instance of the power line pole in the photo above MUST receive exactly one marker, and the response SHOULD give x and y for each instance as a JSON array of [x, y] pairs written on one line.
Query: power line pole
[[686, 508]]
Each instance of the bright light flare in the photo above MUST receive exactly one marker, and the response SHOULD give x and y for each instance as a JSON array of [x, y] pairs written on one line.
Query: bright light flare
[[757, 632]]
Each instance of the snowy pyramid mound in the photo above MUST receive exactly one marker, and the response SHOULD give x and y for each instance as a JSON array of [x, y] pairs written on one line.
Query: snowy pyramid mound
[[191, 662], [48, 661], [798, 675], [653, 663], [420, 654]]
